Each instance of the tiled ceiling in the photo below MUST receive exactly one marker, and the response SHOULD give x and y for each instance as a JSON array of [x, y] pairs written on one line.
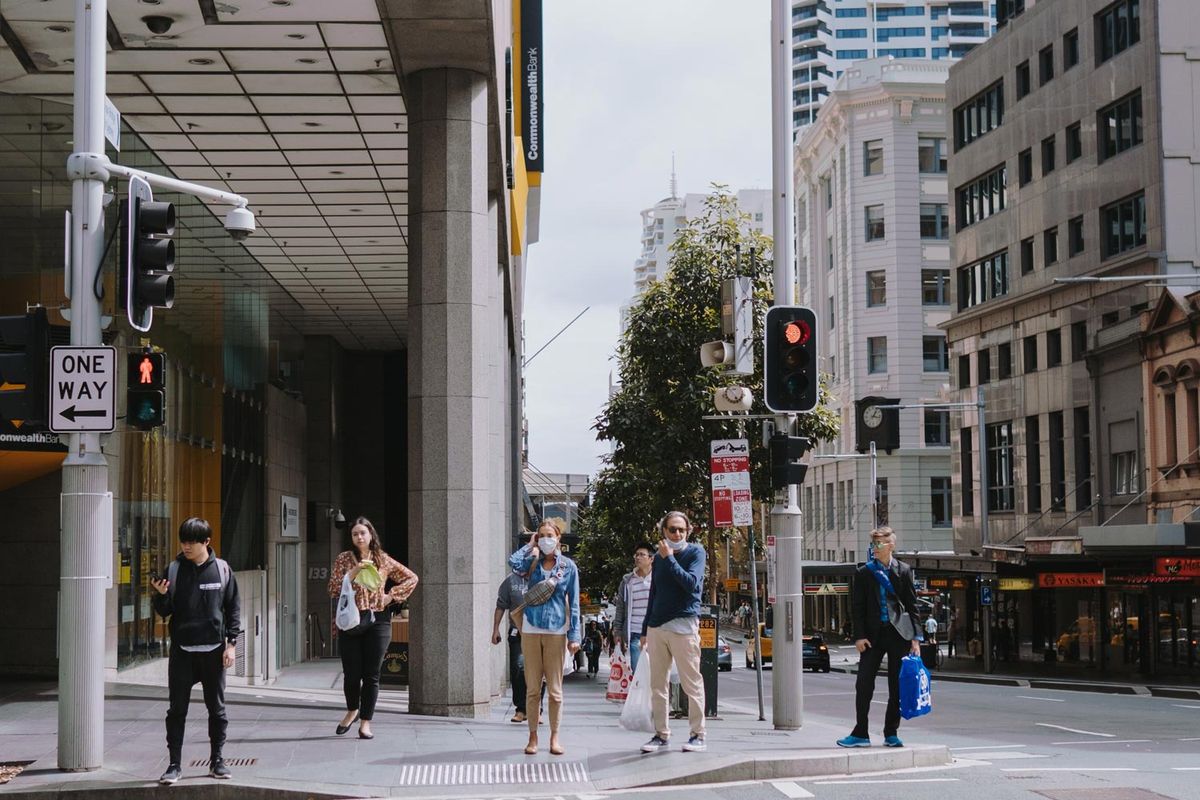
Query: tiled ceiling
[[294, 104]]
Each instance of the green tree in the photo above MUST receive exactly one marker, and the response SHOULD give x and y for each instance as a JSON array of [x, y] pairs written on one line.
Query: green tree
[[660, 459]]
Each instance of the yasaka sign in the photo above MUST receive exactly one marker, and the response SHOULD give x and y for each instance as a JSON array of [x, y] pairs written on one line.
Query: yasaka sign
[[730, 464]]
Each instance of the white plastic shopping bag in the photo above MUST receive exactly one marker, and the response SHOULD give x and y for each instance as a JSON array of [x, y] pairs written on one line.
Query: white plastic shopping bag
[[347, 610], [635, 716], [619, 678]]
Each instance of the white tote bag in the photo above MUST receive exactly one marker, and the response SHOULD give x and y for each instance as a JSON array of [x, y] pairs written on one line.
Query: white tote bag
[[347, 610], [635, 715]]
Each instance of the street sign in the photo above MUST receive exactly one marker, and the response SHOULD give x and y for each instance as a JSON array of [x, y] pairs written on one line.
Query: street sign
[[771, 569], [985, 595], [83, 397], [730, 465]]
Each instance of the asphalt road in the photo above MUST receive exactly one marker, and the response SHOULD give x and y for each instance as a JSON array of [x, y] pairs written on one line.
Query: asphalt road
[[1008, 743]]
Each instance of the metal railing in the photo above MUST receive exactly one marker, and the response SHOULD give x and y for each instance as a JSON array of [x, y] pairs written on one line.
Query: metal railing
[[312, 635]]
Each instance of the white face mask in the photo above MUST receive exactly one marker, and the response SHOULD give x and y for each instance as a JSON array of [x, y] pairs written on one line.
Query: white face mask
[[677, 546], [547, 544]]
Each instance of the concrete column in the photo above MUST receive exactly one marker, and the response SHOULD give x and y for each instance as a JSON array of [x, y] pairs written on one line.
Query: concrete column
[[451, 337]]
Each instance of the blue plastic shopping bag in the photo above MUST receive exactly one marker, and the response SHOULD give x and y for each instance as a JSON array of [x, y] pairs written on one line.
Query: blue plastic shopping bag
[[915, 696]]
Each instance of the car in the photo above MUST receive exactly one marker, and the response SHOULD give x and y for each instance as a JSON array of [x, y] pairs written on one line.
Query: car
[[766, 647], [724, 655], [814, 653]]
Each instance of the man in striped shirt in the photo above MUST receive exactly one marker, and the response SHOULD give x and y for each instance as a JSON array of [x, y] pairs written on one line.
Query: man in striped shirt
[[633, 597]]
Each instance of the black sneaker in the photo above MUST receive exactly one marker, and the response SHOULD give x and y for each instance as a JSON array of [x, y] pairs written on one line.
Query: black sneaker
[[695, 745], [655, 744], [217, 769], [173, 774]]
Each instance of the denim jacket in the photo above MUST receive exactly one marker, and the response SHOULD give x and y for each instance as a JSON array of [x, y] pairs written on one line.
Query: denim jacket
[[552, 614]]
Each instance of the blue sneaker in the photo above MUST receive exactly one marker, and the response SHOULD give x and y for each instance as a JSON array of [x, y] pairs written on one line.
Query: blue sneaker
[[892, 741], [855, 741]]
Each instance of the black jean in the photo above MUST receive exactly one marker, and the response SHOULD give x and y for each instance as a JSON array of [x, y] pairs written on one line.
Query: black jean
[[593, 663], [362, 659], [895, 648], [184, 670], [516, 673]]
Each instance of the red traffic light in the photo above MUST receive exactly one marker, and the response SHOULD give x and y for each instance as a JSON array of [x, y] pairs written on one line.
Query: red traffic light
[[797, 332], [146, 371]]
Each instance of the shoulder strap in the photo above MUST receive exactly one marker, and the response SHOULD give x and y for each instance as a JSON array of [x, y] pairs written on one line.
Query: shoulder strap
[[172, 574], [225, 572]]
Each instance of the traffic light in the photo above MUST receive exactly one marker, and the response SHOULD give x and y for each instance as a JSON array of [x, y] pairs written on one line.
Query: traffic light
[[148, 255], [737, 322], [791, 383], [145, 403], [24, 361], [785, 451]]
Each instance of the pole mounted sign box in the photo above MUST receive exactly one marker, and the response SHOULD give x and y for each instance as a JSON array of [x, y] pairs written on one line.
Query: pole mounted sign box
[[83, 397], [730, 464]]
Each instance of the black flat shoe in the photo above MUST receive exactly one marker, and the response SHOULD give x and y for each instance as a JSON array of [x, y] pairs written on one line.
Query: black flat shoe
[[341, 729], [362, 735]]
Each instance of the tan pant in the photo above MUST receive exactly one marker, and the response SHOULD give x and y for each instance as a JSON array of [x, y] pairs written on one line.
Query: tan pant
[[684, 649], [544, 654]]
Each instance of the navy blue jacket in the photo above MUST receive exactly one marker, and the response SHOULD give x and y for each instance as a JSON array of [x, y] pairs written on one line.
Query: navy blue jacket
[[675, 585]]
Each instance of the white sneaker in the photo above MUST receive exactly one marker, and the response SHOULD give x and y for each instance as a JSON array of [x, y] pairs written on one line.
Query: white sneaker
[[695, 745]]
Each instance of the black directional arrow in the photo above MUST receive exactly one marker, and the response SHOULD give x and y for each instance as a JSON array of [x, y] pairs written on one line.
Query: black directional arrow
[[71, 413]]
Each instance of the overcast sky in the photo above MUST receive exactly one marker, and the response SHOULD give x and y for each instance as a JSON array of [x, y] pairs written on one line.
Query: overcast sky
[[627, 83]]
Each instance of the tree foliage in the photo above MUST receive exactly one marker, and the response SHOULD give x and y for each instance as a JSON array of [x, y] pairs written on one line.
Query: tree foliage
[[660, 459]]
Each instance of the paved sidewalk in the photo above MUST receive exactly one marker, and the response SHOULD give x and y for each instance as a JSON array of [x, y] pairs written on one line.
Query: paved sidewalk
[[287, 730]]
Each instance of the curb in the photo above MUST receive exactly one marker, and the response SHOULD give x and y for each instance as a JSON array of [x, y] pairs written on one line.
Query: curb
[[1176, 692]]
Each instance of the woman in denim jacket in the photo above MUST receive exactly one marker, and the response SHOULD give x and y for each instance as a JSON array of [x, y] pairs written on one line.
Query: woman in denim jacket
[[548, 630]]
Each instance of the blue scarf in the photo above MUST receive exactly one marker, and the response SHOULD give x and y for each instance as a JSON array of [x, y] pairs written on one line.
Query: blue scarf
[[885, 586]]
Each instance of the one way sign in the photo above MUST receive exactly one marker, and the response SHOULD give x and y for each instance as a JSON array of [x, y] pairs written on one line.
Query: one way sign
[[83, 396]]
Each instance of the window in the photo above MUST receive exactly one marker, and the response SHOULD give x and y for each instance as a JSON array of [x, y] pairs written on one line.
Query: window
[[983, 366], [982, 197], [853, 55], [901, 52], [876, 354], [931, 154], [1117, 29], [1078, 340], [1058, 462], [1023, 81], [935, 287], [827, 189], [1046, 65], [1083, 459], [1075, 236], [1050, 247], [851, 33], [1033, 465], [1109, 318], [1070, 48], [884, 14], [1074, 143], [937, 427], [939, 502], [934, 356], [881, 488], [830, 509], [966, 469], [873, 157], [1047, 155], [829, 252], [1026, 256], [1024, 167], [981, 114], [1053, 347], [1123, 225], [886, 34], [876, 289], [935, 221], [1007, 9], [874, 219], [1004, 361], [1119, 126], [1170, 432], [964, 372], [830, 317], [1000, 466], [1029, 354], [851, 12], [1125, 473], [986, 280]]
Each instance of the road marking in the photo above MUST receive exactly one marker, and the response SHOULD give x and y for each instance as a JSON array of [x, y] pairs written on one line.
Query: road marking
[[1004, 755], [1069, 769], [1180, 705], [1045, 699], [894, 780], [1186, 769], [792, 789], [1073, 730], [1193, 739], [989, 747], [1106, 741]]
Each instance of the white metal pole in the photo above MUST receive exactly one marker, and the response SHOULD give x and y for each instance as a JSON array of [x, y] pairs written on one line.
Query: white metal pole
[[787, 700], [85, 508]]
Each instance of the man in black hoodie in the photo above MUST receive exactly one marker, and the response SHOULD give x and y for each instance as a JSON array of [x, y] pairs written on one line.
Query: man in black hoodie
[[200, 596]]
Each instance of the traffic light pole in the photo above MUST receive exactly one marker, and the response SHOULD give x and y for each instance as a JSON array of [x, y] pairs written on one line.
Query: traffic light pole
[[787, 700]]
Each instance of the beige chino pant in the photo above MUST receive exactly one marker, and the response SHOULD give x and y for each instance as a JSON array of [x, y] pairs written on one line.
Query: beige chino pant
[[684, 649], [544, 654]]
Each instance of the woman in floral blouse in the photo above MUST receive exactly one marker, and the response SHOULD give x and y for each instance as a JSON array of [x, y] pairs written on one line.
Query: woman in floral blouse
[[363, 648]]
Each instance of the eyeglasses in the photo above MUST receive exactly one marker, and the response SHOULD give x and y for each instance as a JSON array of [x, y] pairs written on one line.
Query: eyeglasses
[[674, 529]]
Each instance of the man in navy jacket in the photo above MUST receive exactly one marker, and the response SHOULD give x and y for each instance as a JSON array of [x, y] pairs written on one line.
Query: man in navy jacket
[[671, 630]]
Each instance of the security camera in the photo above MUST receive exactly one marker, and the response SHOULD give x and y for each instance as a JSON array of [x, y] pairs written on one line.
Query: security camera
[[239, 222], [158, 25]]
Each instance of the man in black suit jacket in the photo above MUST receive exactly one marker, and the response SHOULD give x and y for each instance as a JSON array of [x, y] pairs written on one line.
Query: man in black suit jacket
[[885, 624]]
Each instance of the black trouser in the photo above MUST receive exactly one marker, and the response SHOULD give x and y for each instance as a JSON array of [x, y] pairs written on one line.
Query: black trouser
[[593, 662], [895, 648], [185, 670], [516, 673], [362, 659]]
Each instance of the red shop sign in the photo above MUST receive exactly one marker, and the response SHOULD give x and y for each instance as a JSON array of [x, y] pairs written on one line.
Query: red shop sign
[[1182, 567], [1143, 579], [1070, 580]]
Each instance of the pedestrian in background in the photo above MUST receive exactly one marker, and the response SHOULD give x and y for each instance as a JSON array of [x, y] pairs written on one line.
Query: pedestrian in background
[[633, 595], [593, 643], [363, 648], [883, 605], [200, 596], [671, 630], [549, 630], [509, 596]]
